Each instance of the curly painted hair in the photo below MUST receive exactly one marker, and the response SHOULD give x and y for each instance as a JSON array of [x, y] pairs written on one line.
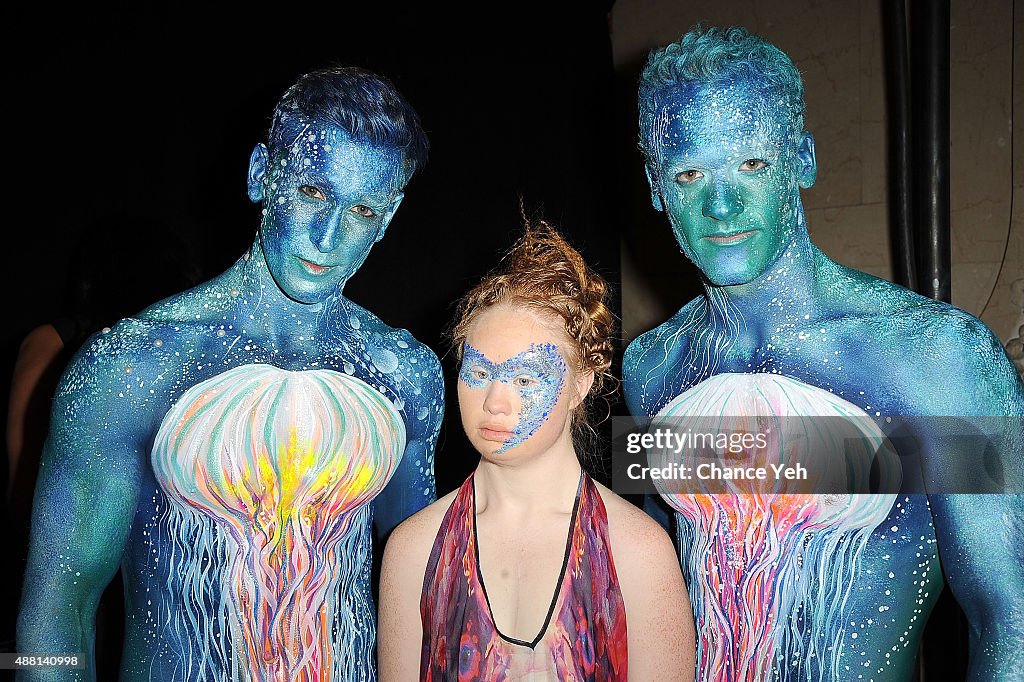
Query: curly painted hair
[[542, 271], [714, 55]]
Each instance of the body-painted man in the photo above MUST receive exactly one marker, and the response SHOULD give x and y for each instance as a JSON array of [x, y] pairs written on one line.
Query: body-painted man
[[831, 587], [230, 447]]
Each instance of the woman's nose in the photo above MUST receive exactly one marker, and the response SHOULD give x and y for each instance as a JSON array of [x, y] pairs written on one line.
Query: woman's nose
[[500, 398]]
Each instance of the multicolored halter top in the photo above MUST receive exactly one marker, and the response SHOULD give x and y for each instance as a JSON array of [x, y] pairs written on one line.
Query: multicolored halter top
[[583, 638]]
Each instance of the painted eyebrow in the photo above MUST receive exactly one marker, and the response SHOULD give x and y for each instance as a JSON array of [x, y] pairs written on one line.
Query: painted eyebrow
[[518, 357], [309, 178]]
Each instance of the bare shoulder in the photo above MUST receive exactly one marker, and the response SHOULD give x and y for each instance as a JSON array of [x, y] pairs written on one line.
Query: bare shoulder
[[962, 347], [653, 593], [43, 338], [38, 350], [110, 357], [409, 545], [955, 357], [639, 543], [869, 304], [389, 346], [665, 339]]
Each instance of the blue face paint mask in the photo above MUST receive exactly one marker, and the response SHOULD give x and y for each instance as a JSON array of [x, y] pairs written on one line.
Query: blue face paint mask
[[537, 375]]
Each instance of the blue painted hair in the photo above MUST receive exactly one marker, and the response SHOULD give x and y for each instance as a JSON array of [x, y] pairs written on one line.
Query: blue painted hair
[[366, 106], [713, 55]]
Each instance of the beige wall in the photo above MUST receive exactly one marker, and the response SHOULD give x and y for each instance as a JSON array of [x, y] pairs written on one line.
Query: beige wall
[[836, 44]]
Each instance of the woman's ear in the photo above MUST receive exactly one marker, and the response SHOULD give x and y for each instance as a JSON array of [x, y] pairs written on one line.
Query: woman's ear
[[584, 382]]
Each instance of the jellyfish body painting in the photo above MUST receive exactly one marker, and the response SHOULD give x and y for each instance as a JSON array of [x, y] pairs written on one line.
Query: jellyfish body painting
[[770, 572], [265, 472], [232, 448], [818, 583]]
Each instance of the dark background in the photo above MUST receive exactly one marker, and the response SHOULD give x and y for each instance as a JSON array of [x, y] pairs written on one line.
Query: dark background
[[133, 132]]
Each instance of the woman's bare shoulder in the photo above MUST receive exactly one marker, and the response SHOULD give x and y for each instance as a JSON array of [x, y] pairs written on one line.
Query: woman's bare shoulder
[[413, 539], [653, 593], [625, 518], [639, 544]]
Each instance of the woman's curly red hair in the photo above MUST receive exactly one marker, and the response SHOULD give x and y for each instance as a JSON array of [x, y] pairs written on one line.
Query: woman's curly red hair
[[544, 272]]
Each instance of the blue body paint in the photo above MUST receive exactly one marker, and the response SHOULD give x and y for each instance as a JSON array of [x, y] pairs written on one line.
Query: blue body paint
[[726, 158], [232, 447], [325, 204]]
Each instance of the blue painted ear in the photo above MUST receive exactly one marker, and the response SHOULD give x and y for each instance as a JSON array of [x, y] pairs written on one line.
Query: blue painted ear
[[656, 201], [258, 173], [389, 213], [808, 168]]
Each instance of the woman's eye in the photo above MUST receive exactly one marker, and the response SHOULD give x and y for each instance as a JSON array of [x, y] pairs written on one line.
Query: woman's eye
[[752, 165], [480, 374], [689, 176], [523, 382], [312, 192], [364, 211]]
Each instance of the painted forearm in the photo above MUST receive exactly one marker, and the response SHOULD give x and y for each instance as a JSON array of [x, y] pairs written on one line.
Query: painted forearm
[[980, 541], [56, 621]]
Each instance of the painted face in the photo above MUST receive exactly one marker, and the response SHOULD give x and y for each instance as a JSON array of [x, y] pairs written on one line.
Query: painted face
[[729, 173], [512, 381], [325, 204]]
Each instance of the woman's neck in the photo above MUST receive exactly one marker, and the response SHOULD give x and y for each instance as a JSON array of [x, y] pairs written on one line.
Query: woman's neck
[[546, 482]]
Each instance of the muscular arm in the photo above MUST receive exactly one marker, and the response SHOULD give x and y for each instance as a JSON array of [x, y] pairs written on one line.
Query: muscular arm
[[634, 370], [980, 545], [412, 486], [981, 536], [84, 503]]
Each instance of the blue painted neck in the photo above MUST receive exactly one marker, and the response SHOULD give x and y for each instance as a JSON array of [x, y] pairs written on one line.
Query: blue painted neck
[[251, 277], [786, 291]]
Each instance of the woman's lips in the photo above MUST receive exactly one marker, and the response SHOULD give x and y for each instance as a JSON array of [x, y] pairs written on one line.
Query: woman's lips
[[494, 434], [727, 240], [313, 268]]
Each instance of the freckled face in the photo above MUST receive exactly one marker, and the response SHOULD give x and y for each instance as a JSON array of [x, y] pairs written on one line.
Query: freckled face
[[727, 177], [326, 202], [516, 387]]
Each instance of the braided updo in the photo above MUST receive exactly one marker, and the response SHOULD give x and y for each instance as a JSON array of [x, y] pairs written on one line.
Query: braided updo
[[543, 272]]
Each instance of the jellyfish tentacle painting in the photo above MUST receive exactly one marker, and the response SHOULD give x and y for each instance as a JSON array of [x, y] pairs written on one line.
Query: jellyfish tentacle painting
[[269, 469], [761, 556]]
